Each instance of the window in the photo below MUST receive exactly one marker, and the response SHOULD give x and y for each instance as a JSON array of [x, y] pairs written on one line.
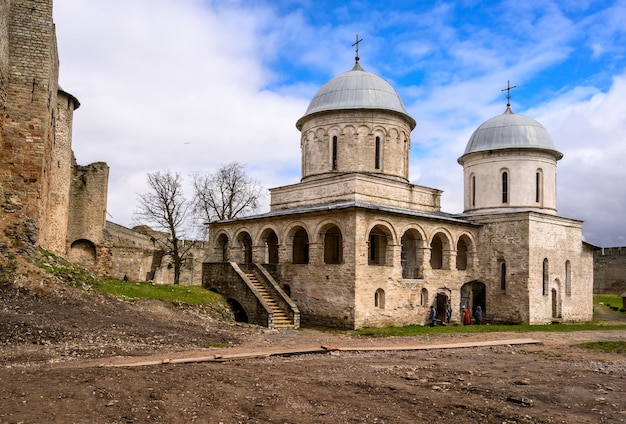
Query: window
[[503, 275], [424, 297], [333, 246], [377, 247], [436, 253], [334, 153], [538, 187], [568, 278], [505, 187], [473, 190], [379, 299], [377, 154], [461, 254], [545, 277]]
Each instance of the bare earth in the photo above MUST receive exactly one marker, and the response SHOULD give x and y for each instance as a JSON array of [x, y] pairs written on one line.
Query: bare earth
[[53, 344]]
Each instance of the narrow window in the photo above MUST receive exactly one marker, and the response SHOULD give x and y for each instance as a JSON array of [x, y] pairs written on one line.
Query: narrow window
[[379, 299], [568, 278], [334, 153], [377, 154], [538, 187], [545, 277], [505, 187], [503, 275], [473, 190]]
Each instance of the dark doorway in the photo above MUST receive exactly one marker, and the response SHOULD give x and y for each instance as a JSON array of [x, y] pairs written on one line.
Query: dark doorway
[[473, 295], [238, 311], [442, 306]]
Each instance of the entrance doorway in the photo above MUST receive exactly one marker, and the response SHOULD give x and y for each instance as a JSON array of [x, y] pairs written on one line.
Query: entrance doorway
[[473, 295]]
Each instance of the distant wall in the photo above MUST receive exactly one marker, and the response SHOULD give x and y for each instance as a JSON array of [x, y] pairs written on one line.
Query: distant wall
[[609, 267]]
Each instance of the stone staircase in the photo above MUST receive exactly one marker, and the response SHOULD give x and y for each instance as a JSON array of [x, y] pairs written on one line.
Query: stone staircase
[[281, 319]]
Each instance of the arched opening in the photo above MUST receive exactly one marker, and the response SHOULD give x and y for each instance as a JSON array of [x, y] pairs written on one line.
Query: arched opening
[[538, 186], [334, 153], [555, 304], [568, 278], [271, 246], [222, 242], [300, 247], [379, 299], [545, 277], [442, 306], [505, 187], [436, 252], [502, 275], [83, 252], [424, 297], [238, 312], [377, 153], [377, 246], [245, 241], [411, 258], [473, 294], [333, 246], [461, 253]]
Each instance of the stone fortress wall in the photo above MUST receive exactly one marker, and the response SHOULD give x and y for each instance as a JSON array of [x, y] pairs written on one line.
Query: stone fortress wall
[[609, 267]]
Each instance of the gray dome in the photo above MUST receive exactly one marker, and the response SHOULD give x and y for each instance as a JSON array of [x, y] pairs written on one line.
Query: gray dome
[[511, 131], [356, 89]]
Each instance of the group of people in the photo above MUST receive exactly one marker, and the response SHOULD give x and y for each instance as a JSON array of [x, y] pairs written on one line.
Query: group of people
[[466, 317]]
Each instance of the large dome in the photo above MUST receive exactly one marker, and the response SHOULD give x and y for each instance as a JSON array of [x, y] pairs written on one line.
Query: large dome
[[356, 89], [510, 131]]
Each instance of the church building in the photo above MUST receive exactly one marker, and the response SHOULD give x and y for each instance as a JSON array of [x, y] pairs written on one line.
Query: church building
[[354, 244]]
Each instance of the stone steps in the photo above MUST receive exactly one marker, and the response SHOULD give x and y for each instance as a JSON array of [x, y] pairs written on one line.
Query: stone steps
[[281, 319]]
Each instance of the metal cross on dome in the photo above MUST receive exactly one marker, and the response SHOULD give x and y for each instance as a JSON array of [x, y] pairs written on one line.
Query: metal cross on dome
[[508, 94], [357, 47]]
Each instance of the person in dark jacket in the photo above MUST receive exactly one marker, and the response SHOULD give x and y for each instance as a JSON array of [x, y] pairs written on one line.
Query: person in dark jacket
[[478, 315], [433, 316]]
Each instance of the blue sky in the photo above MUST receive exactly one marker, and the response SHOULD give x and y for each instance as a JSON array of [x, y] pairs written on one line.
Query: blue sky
[[190, 85]]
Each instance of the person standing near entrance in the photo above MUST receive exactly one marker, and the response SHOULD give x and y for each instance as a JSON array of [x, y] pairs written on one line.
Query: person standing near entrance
[[449, 312], [478, 315], [433, 316], [467, 318]]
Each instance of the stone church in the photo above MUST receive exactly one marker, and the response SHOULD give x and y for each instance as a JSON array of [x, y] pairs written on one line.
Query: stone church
[[355, 244]]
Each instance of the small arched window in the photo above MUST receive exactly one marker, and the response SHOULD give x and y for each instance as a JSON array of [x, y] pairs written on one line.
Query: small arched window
[[568, 278], [546, 276], [334, 153], [538, 187], [505, 187], [377, 154], [379, 299], [424, 297], [503, 275], [473, 190]]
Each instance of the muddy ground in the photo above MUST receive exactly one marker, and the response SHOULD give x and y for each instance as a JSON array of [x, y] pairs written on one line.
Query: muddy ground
[[54, 341]]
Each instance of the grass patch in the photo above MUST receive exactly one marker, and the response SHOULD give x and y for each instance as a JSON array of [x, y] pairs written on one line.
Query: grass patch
[[419, 330], [607, 299], [190, 295], [609, 347]]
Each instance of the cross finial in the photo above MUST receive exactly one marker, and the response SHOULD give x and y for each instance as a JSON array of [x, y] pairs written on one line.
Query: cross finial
[[508, 94], [357, 47]]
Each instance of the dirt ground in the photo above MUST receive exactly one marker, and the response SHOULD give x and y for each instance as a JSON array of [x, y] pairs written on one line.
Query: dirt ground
[[53, 342]]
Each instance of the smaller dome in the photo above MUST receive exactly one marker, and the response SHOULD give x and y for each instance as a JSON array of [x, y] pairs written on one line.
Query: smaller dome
[[510, 131], [356, 89]]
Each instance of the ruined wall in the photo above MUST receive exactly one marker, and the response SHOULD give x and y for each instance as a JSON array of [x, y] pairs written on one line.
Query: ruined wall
[[87, 209], [31, 87], [609, 265]]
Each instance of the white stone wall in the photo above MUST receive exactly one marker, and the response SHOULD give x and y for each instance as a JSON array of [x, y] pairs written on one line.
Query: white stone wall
[[522, 166], [356, 132]]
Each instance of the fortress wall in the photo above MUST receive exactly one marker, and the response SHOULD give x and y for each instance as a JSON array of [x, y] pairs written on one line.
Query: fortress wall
[[31, 88], [609, 267]]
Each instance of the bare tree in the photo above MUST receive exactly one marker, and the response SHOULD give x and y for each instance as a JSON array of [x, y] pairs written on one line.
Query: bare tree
[[228, 193], [165, 208]]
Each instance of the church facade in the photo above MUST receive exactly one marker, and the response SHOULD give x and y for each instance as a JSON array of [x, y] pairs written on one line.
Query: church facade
[[354, 244]]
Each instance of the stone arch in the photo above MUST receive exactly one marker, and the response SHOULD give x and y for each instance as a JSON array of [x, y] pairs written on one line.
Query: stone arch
[[298, 238], [440, 250], [331, 237], [380, 241], [244, 245], [379, 299], [464, 252], [473, 294], [412, 254], [83, 252], [269, 241], [222, 246], [238, 311]]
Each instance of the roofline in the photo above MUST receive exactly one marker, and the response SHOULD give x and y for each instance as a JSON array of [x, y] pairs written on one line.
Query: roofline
[[411, 121]]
